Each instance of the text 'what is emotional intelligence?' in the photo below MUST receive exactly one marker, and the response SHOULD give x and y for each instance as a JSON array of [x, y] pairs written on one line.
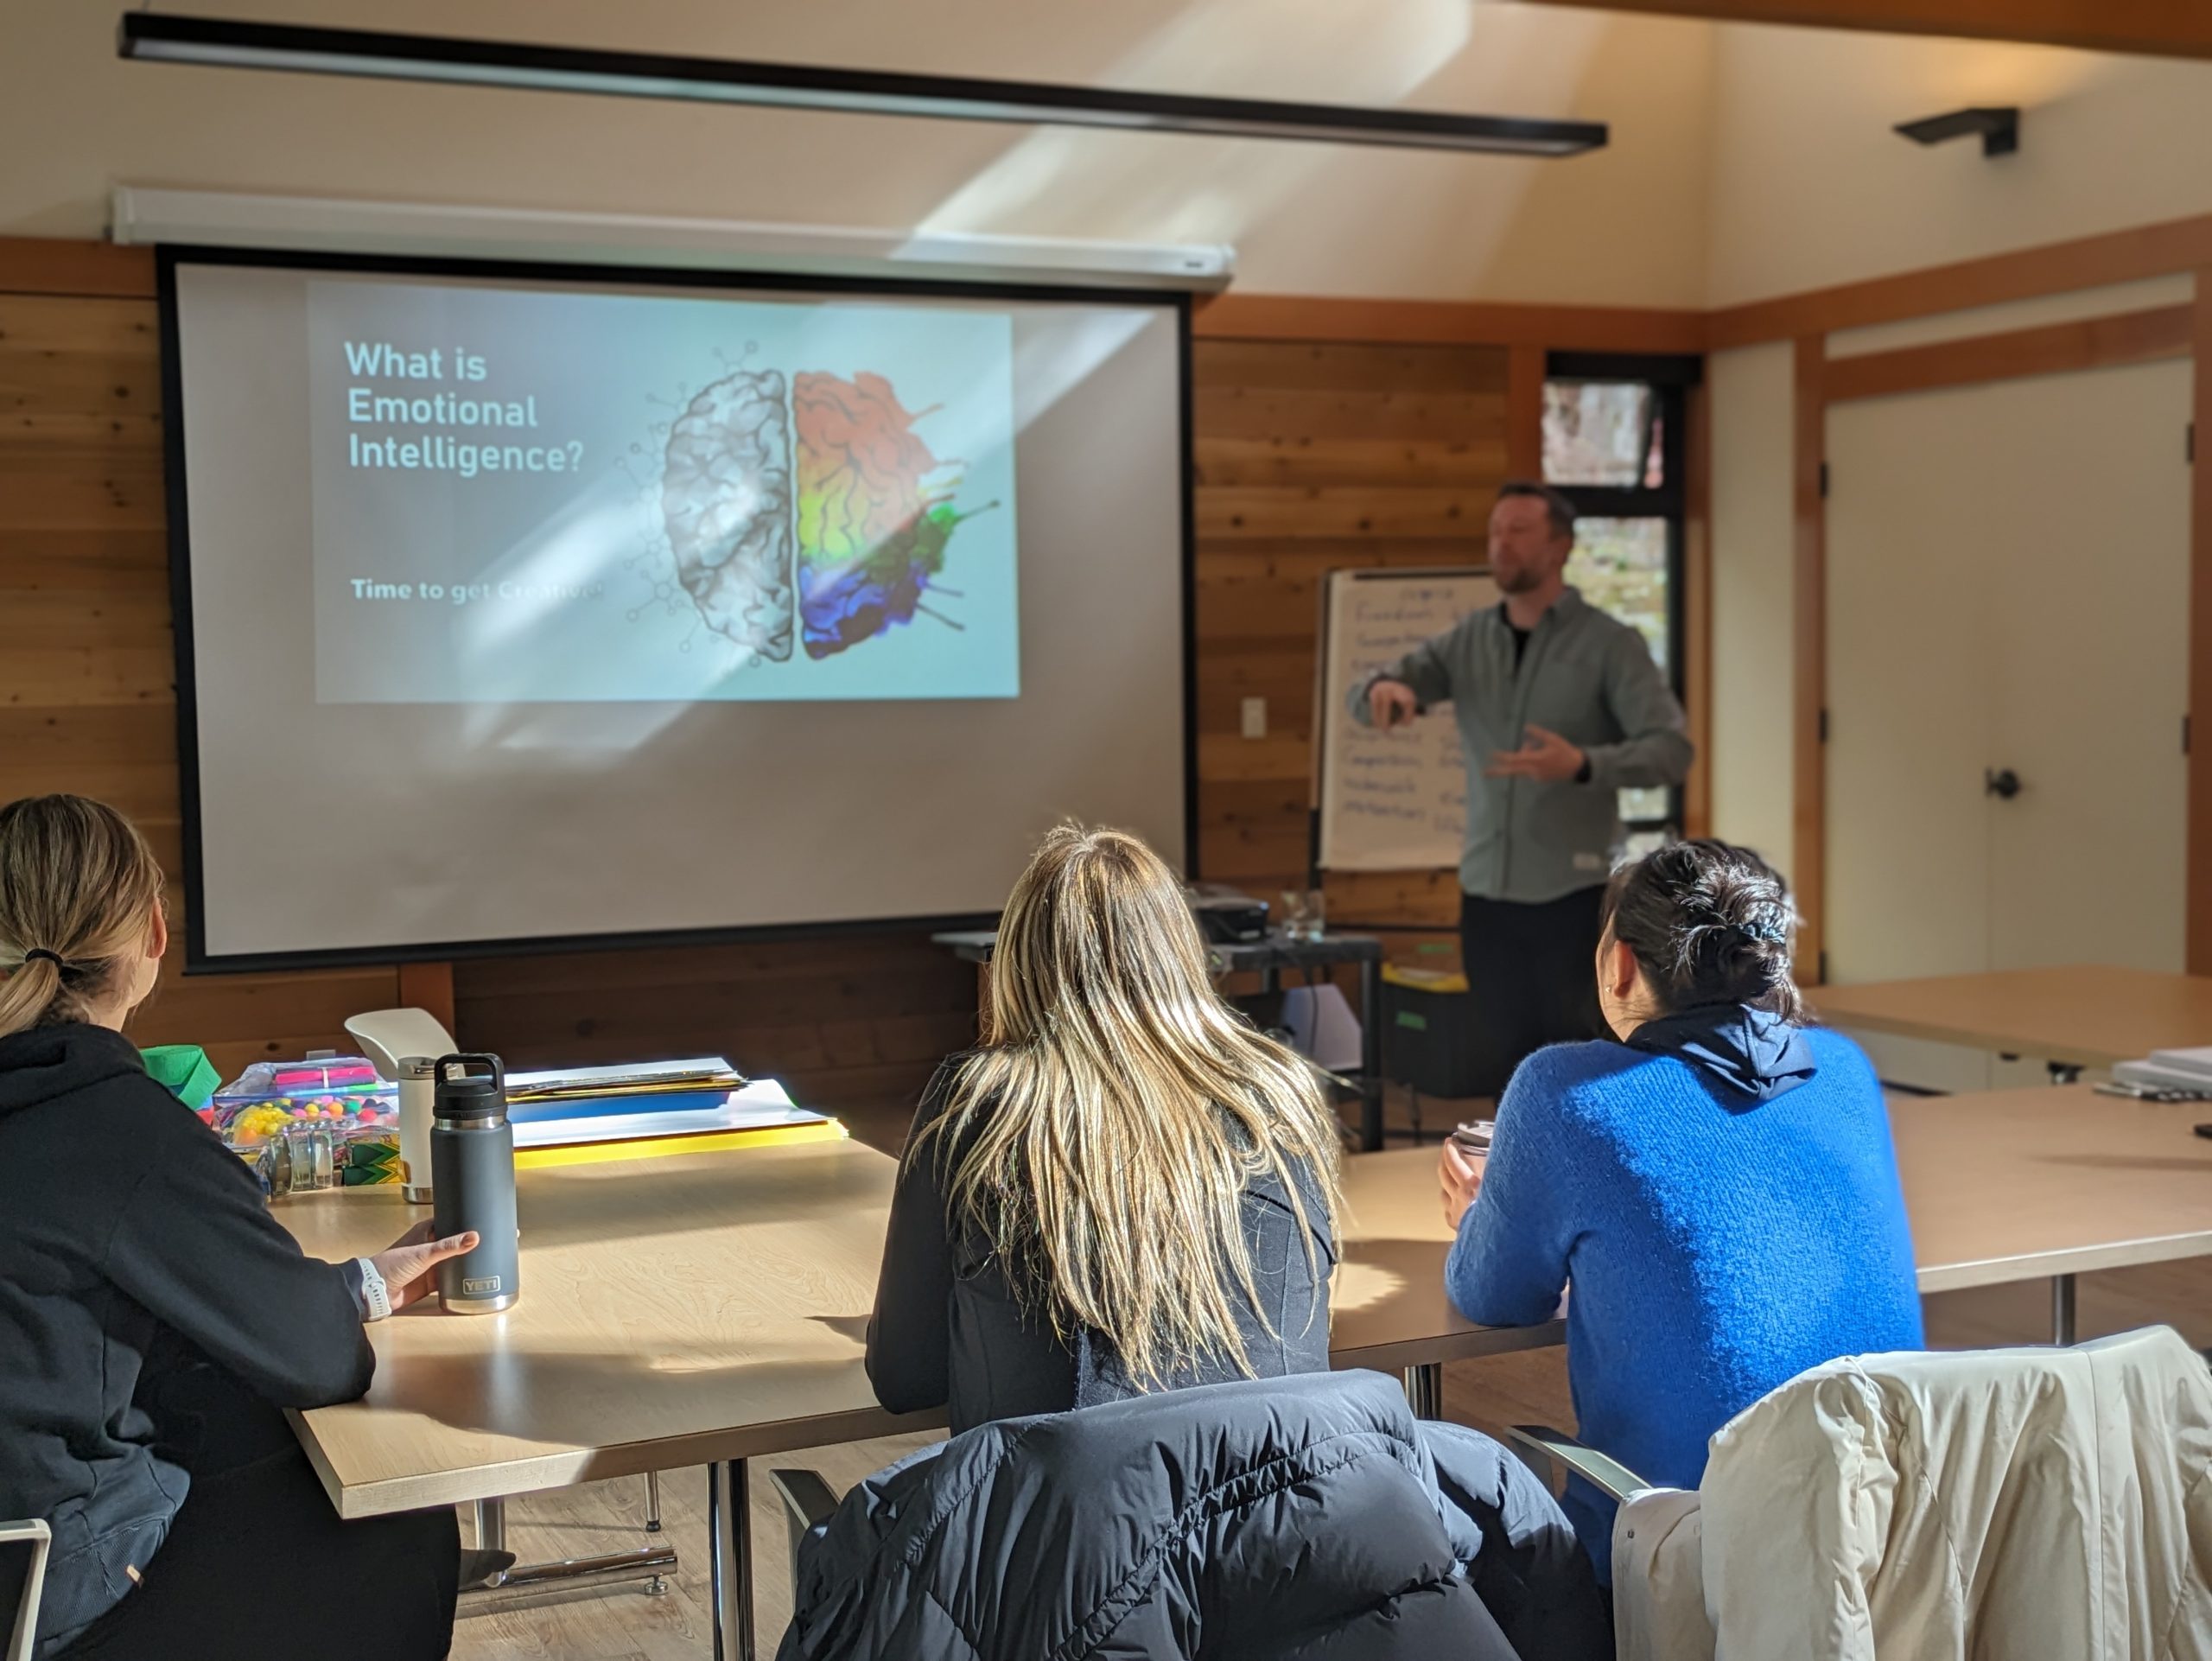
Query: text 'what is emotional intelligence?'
[[530, 495]]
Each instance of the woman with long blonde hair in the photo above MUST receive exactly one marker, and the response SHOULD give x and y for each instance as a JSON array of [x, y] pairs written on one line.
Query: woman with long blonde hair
[[1125, 1188]]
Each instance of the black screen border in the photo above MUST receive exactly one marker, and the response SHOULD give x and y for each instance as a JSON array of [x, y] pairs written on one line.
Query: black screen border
[[169, 255]]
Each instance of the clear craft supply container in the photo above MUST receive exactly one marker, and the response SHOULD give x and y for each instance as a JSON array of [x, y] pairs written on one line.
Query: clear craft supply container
[[324, 1121], [1304, 914]]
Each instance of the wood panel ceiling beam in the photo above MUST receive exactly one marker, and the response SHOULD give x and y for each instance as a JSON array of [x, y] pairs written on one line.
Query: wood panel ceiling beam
[[2166, 29]]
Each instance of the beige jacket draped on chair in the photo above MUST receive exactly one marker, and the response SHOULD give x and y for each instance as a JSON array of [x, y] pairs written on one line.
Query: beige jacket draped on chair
[[2033, 1505]]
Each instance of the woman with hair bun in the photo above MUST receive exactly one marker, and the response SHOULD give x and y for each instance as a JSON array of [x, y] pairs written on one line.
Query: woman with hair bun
[[1718, 1184]]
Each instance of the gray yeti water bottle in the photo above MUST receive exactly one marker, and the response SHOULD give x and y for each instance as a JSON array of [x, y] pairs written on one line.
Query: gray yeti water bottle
[[473, 1183]]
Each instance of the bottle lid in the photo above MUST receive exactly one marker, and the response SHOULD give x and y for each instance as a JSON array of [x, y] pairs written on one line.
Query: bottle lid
[[470, 1086]]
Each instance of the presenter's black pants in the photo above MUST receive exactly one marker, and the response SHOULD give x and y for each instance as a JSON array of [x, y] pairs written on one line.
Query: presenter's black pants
[[1532, 976], [258, 1567]]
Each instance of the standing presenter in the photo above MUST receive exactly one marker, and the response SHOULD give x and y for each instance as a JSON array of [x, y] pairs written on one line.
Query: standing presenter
[[1560, 706]]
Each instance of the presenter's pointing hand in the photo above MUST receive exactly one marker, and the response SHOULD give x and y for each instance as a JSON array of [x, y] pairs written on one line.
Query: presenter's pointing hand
[[1543, 755], [1391, 703]]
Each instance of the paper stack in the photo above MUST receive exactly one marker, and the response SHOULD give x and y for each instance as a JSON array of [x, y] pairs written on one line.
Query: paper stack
[[697, 1096], [2169, 1070], [626, 1087]]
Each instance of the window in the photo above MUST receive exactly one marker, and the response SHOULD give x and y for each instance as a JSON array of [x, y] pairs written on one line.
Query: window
[[1621, 566], [1603, 433], [1612, 443]]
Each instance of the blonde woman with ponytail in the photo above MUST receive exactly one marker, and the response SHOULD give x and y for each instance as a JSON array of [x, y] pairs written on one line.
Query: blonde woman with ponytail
[[1125, 1189], [154, 1317], [81, 936]]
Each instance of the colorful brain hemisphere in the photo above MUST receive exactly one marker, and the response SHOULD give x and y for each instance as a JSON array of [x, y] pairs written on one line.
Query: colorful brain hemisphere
[[726, 506], [870, 533]]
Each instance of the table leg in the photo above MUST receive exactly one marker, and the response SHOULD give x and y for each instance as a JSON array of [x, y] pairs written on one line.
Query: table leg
[[730, 1526], [1370, 1055], [491, 1525], [491, 1518], [2061, 1310], [652, 1502], [1424, 1385]]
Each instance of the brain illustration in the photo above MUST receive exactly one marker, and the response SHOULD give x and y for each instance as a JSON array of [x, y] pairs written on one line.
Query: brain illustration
[[871, 531], [726, 504]]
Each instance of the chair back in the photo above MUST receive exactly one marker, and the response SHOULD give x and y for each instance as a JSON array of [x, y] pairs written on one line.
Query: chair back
[[2040, 1505], [31, 1540]]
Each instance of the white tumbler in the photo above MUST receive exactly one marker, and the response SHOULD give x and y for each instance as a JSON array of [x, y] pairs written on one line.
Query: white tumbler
[[417, 1091]]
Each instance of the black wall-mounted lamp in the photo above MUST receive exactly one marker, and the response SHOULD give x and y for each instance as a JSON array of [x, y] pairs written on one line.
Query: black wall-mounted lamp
[[2000, 128], [380, 55]]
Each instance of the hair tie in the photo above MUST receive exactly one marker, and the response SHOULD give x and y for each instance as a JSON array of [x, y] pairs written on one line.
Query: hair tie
[[54, 957]]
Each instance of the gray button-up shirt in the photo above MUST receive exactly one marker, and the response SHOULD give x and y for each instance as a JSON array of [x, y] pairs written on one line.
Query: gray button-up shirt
[[1588, 678]]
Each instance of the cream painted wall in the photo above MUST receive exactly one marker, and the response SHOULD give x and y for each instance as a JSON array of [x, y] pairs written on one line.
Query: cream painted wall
[[1745, 161], [1810, 187], [1305, 218], [1751, 393]]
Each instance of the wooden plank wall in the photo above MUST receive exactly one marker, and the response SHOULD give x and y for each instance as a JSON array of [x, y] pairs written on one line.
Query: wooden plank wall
[[1313, 456], [1309, 456], [88, 699], [847, 1021]]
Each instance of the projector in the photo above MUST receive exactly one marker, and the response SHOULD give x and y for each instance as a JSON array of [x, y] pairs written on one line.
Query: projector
[[1226, 917]]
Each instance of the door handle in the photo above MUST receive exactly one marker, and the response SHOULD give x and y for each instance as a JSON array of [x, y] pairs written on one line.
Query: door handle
[[2001, 781]]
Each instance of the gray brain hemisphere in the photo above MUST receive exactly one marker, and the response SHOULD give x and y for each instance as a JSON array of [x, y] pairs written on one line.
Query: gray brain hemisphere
[[726, 504]]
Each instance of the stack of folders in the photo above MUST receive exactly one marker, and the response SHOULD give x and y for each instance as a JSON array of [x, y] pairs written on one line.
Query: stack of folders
[[626, 1087], [697, 1096], [2176, 1072]]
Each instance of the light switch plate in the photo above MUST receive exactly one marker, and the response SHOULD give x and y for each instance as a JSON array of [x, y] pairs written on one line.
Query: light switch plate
[[1255, 717]]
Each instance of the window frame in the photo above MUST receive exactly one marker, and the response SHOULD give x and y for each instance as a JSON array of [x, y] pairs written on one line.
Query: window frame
[[1670, 379]]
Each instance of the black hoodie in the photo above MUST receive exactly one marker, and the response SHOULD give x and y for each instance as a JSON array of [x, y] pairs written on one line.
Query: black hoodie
[[132, 1242]]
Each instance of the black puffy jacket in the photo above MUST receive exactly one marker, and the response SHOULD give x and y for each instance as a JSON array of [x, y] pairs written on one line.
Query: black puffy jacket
[[1296, 1519]]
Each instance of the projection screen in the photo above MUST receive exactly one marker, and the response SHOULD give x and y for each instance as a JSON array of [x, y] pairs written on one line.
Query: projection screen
[[520, 606]]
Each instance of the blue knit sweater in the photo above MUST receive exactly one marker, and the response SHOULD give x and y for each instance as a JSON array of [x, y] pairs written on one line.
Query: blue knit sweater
[[1718, 1246]]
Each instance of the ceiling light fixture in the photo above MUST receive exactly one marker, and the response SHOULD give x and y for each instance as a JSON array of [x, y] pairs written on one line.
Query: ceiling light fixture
[[377, 54], [2000, 128]]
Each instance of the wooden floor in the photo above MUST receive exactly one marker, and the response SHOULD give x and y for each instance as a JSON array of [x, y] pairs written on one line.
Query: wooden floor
[[622, 1622]]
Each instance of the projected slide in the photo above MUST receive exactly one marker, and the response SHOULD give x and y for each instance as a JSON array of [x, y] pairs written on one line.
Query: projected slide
[[527, 496]]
